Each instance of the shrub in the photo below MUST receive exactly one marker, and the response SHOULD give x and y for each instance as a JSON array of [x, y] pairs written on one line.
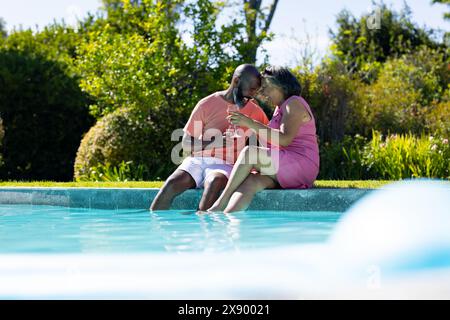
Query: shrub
[[2, 135], [125, 171], [406, 156], [330, 91], [44, 116], [390, 157], [437, 118], [343, 160], [362, 49], [139, 59], [407, 89], [126, 135], [392, 103]]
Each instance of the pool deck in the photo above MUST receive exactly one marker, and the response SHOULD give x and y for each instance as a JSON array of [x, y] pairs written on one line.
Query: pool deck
[[316, 199]]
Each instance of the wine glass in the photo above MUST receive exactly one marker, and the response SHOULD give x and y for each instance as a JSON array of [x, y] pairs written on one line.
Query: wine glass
[[232, 130]]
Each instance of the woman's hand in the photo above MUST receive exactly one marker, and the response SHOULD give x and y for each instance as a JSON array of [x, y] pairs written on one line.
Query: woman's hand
[[239, 119]]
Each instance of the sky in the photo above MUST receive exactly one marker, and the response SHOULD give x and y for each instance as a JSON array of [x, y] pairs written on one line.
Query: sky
[[293, 23]]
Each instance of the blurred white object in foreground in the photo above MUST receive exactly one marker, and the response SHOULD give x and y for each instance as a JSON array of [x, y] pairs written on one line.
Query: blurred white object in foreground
[[403, 226]]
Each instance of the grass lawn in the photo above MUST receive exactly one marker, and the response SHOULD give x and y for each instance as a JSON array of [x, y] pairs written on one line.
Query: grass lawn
[[357, 184]]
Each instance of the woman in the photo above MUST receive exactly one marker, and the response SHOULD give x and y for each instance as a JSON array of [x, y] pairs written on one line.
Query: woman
[[291, 160]]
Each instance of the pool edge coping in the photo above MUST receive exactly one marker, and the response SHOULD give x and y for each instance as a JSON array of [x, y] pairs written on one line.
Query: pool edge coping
[[314, 199]]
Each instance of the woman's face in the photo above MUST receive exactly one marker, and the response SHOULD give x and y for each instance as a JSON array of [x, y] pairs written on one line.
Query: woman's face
[[271, 92]]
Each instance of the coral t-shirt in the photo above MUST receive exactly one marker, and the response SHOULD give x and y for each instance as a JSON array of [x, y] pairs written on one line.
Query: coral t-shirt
[[209, 118]]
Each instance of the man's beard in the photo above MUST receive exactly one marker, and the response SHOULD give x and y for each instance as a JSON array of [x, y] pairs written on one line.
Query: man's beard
[[239, 99]]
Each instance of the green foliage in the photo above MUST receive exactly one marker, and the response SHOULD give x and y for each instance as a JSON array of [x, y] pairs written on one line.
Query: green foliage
[[256, 28], [363, 47], [331, 94], [410, 94], [43, 110], [127, 134], [407, 156], [137, 58], [393, 80], [447, 2], [154, 68], [427, 72], [132, 54], [55, 42], [407, 90], [343, 159], [2, 135], [140, 66], [437, 118], [390, 157], [3, 33], [125, 171]]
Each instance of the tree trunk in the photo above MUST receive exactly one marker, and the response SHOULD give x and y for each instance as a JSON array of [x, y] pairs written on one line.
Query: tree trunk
[[253, 16]]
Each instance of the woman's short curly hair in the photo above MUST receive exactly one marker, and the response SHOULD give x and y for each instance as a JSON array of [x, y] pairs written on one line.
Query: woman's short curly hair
[[284, 79]]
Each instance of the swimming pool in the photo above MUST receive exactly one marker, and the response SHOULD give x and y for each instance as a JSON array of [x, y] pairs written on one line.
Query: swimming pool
[[390, 243], [53, 229]]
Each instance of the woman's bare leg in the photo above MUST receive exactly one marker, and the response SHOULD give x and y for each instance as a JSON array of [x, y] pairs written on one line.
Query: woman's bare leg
[[243, 196], [249, 158]]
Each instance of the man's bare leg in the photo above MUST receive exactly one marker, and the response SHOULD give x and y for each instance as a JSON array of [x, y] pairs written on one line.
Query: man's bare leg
[[177, 183], [214, 185]]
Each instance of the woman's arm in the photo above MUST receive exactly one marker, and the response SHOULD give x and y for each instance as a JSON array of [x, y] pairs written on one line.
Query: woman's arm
[[292, 119]]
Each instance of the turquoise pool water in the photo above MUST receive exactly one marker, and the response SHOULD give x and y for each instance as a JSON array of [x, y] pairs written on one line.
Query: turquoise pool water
[[50, 229]]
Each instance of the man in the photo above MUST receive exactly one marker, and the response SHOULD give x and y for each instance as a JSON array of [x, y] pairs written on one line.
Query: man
[[210, 162]]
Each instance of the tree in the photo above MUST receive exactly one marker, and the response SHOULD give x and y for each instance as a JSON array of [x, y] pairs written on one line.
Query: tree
[[446, 17], [250, 27], [3, 32], [129, 16], [44, 111], [145, 62], [44, 114], [363, 48], [447, 2], [257, 24]]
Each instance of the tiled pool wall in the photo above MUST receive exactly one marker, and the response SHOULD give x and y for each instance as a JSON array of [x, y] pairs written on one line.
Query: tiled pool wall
[[134, 198]]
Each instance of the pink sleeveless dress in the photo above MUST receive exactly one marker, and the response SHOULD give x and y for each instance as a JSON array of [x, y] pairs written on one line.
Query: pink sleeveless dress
[[298, 163]]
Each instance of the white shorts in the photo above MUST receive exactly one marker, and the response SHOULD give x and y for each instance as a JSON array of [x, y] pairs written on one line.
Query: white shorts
[[201, 167]]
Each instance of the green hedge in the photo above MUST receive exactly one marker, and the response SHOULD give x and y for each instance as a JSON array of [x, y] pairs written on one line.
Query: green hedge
[[128, 144], [387, 157], [44, 115]]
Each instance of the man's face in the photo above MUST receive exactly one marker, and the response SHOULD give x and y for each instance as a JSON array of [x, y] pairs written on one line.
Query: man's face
[[246, 90]]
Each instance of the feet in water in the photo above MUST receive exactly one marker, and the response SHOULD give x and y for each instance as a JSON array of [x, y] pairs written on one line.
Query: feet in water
[[219, 205]]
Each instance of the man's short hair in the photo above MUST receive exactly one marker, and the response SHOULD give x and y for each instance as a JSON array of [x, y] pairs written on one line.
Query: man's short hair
[[247, 71]]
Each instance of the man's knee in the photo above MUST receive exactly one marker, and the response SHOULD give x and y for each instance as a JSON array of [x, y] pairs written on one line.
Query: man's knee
[[179, 182], [216, 181]]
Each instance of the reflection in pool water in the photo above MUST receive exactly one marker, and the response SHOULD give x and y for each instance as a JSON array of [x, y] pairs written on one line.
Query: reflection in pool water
[[47, 229]]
